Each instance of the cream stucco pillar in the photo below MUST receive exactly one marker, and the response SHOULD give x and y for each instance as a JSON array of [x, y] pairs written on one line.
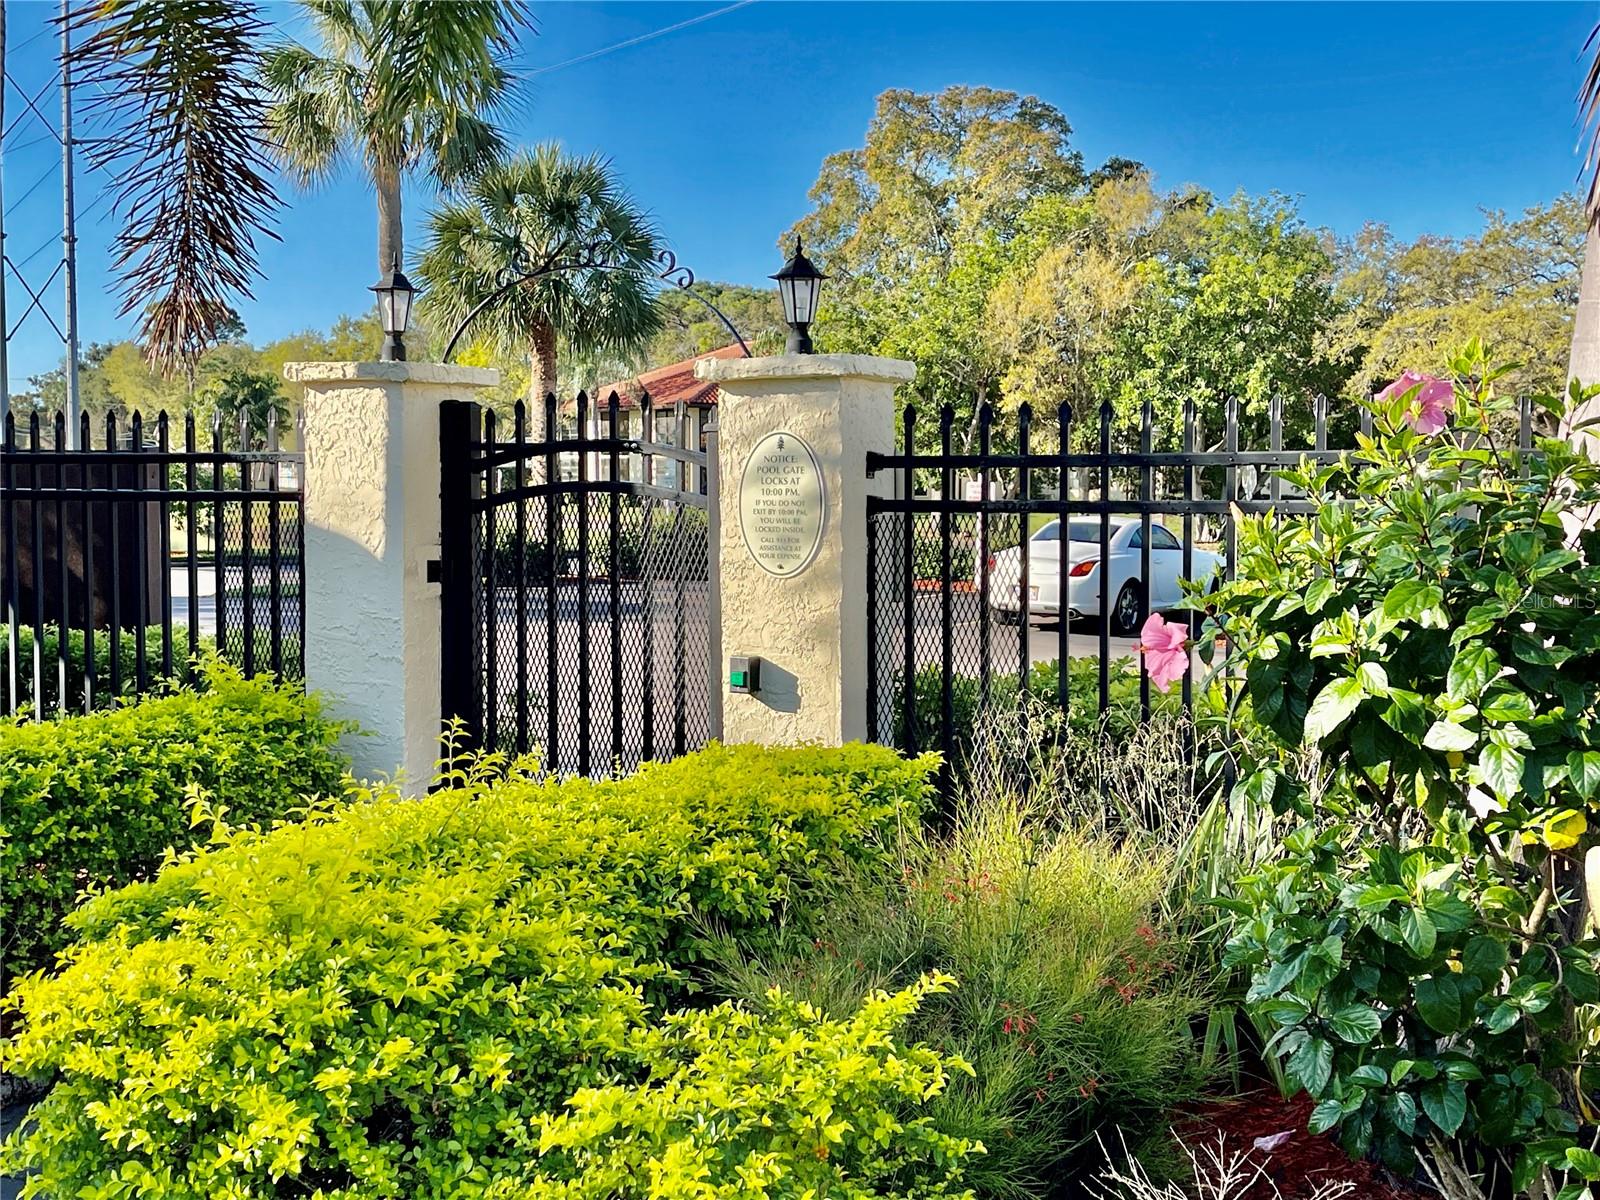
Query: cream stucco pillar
[[793, 437], [371, 528]]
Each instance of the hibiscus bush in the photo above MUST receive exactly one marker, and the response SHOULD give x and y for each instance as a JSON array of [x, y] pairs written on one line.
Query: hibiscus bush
[[1419, 672]]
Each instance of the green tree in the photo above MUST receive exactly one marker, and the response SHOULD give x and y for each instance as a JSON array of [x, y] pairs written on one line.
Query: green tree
[[914, 227], [350, 338], [544, 208], [1242, 312], [687, 328], [396, 84], [1514, 285], [247, 404], [46, 393], [1075, 279]]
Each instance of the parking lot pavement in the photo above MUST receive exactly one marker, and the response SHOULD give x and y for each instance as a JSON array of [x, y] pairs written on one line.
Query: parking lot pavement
[[967, 632]]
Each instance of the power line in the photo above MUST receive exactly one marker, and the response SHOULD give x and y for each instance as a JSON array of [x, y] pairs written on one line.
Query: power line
[[29, 41], [12, 207], [634, 41], [32, 142]]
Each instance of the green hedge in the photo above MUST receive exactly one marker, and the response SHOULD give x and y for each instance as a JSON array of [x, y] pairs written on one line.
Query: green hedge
[[128, 682], [104, 697], [95, 801], [395, 997]]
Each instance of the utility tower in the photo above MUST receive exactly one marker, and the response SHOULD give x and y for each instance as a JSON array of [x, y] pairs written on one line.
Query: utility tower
[[23, 123]]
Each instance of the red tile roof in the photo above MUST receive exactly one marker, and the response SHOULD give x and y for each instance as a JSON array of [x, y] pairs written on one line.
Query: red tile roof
[[667, 385]]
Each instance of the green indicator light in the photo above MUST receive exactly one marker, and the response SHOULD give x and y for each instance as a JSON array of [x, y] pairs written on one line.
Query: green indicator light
[[736, 679]]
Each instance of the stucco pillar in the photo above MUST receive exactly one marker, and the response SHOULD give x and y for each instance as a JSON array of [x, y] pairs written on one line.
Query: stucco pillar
[[371, 528], [793, 437]]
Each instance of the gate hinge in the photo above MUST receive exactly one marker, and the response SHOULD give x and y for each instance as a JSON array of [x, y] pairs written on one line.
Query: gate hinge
[[435, 570]]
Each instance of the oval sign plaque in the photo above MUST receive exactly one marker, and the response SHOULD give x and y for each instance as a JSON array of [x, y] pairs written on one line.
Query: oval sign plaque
[[781, 504]]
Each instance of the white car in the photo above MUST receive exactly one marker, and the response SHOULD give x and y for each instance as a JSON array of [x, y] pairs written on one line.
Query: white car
[[1131, 597]]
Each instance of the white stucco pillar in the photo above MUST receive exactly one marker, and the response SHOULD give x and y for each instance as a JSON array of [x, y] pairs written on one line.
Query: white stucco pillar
[[371, 527], [793, 437]]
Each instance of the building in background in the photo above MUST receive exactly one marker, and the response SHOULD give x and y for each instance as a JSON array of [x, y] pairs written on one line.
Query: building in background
[[667, 387]]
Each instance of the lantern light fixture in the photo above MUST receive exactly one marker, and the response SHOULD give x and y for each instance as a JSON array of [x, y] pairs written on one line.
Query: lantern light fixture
[[394, 293], [799, 287]]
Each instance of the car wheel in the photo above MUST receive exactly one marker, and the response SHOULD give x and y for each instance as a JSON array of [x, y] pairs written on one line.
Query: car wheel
[[1006, 616], [1128, 610]]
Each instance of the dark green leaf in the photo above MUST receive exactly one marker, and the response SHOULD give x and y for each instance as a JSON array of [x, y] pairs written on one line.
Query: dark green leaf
[[1445, 1102], [1355, 1023], [1484, 957], [1439, 1002], [1474, 666], [1325, 1116], [1312, 1064], [1583, 771], [1417, 929]]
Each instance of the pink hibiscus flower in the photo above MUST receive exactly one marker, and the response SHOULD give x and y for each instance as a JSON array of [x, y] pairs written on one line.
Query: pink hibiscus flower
[[1165, 649], [1432, 404]]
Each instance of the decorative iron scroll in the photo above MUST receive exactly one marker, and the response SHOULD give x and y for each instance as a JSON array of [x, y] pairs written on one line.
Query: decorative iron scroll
[[594, 256]]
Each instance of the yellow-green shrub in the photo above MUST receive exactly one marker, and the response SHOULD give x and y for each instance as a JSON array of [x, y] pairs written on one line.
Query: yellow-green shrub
[[779, 1104], [381, 1000], [96, 800]]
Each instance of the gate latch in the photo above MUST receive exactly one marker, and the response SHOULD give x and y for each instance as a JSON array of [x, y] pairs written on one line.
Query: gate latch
[[435, 569], [744, 674]]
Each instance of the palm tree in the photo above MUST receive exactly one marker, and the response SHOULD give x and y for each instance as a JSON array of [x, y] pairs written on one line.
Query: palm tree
[[547, 211], [248, 403], [396, 84], [180, 116]]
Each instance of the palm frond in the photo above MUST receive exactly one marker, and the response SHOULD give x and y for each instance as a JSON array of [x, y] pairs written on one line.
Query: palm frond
[[541, 208], [395, 84], [180, 119], [461, 145], [316, 103]]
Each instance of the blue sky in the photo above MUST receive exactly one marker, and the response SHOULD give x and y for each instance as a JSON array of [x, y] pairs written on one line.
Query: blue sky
[[1416, 115]]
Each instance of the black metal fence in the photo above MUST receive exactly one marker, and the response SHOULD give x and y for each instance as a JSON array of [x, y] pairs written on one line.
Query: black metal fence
[[977, 545], [578, 595], [124, 562]]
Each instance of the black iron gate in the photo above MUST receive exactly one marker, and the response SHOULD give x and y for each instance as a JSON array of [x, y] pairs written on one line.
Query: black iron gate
[[578, 601]]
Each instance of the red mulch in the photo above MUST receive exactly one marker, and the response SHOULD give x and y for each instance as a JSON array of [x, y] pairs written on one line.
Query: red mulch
[[1300, 1163]]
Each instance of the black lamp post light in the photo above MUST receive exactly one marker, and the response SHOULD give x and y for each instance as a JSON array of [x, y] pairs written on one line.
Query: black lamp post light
[[799, 286], [394, 308]]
